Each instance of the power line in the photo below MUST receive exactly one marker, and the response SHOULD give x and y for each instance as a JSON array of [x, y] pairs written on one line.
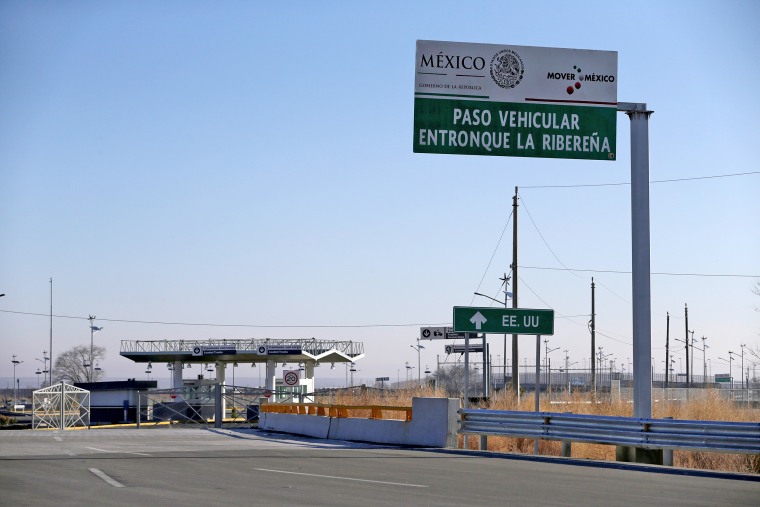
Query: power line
[[558, 259], [202, 324], [653, 181], [542, 236], [493, 255], [613, 339], [662, 273]]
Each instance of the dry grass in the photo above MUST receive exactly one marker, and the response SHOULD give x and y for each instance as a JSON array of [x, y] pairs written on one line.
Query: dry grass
[[711, 408]]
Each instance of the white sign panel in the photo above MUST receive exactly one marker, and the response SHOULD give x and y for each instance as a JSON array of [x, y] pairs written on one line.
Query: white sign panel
[[521, 101], [432, 333]]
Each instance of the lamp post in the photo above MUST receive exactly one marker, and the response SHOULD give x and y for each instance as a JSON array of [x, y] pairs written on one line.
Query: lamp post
[[93, 328], [15, 362], [44, 362], [742, 346], [731, 356], [408, 372], [730, 369], [418, 347]]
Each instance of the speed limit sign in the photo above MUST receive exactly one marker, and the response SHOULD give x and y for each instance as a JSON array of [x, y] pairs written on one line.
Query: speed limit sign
[[290, 378]]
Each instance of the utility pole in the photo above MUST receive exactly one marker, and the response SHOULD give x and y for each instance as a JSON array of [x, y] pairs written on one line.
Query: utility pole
[[692, 355], [515, 351], [667, 349], [686, 341], [593, 337]]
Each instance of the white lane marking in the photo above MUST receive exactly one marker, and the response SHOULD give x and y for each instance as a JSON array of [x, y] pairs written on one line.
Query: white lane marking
[[121, 452], [341, 478], [58, 439], [108, 479]]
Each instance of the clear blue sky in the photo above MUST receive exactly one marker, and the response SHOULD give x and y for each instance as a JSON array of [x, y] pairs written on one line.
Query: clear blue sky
[[251, 163]]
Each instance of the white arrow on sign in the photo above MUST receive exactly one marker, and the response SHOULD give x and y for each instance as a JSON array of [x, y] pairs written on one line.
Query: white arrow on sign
[[478, 320]]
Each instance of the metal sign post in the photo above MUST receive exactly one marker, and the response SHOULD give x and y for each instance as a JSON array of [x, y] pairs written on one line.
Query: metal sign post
[[538, 385], [640, 258]]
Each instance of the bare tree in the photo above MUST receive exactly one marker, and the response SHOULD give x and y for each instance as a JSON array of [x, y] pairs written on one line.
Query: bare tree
[[451, 378], [73, 365]]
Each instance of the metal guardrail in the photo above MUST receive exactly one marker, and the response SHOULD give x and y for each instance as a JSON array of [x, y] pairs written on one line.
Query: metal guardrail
[[716, 436]]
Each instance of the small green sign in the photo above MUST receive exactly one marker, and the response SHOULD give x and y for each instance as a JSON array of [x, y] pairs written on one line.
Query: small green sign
[[469, 319]]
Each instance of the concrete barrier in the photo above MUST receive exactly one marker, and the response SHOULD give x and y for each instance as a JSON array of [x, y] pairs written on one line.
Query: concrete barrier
[[433, 424]]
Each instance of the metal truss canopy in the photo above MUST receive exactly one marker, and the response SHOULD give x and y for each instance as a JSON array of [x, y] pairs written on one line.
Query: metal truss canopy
[[249, 350]]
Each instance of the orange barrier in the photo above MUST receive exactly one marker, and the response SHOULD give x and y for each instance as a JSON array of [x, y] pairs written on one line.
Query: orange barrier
[[342, 411]]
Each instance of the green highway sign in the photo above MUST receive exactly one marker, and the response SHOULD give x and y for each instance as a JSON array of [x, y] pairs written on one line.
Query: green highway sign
[[468, 319], [516, 101]]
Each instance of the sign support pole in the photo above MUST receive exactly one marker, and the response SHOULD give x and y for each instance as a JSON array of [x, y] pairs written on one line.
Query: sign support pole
[[466, 402], [538, 385], [640, 259], [466, 371]]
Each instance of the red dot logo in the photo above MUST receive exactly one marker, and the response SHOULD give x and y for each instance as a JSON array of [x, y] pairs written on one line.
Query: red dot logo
[[577, 85], [570, 90]]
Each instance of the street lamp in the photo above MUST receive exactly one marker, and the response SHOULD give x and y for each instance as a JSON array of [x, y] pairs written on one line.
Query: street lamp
[[92, 332], [408, 371], [15, 362], [44, 362], [507, 295], [418, 347], [730, 369]]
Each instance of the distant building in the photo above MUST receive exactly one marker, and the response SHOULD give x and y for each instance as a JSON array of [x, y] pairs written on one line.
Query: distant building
[[115, 401]]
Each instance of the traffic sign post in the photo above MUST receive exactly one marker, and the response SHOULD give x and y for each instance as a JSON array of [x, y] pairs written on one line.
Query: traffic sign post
[[290, 378], [461, 349], [503, 320], [439, 333], [524, 101]]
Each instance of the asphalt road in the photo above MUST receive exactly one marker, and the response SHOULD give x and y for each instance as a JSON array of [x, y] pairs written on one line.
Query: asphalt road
[[187, 467]]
